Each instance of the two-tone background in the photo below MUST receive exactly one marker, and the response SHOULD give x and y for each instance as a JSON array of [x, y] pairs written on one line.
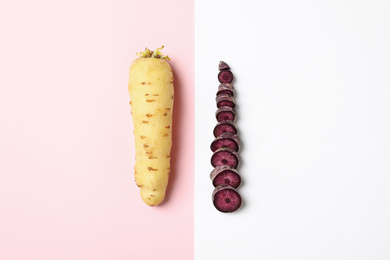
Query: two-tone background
[[313, 113]]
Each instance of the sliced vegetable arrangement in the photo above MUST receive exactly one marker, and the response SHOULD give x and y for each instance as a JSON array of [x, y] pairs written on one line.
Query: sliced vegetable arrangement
[[225, 160], [151, 94]]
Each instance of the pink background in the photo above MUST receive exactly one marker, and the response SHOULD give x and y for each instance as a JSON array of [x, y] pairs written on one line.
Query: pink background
[[67, 189]]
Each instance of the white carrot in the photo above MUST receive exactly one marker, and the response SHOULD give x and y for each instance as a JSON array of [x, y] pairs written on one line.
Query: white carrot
[[151, 94]]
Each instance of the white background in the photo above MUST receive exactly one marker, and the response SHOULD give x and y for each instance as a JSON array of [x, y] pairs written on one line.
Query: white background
[[313, 108]]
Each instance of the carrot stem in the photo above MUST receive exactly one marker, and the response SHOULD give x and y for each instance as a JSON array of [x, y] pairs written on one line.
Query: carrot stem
[[153, 54]]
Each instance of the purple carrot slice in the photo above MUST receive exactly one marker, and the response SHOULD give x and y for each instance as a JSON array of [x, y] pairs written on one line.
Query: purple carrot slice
[[225, 113], [223, 65], [225, 76], [225, 126], [226, 199], [225, 140], [225, 156], [225, 100], [225, 88], [225, 175]]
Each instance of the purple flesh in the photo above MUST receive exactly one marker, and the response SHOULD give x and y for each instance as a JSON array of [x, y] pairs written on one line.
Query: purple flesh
[[224, 156], [225, 103], [225, 140], [225, 175], [225, 113], [225, 88], [228, 92], [225, 100], [226, 199], [223, 66], [225, 76], [225, 126]]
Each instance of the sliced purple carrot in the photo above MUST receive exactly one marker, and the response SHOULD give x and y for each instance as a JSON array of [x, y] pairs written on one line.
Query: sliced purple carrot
[[225, 156], [225, 88], [223, 66], [226, 199], [225, 126], [225, 113], [225, 100], [225, 76], [225, 140], [225, 175]]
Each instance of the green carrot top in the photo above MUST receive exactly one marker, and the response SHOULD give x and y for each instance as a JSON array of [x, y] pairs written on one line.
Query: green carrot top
[[153, 54]]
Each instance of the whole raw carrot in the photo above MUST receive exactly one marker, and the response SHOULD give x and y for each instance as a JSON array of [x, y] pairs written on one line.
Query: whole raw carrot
[[152, 94]]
